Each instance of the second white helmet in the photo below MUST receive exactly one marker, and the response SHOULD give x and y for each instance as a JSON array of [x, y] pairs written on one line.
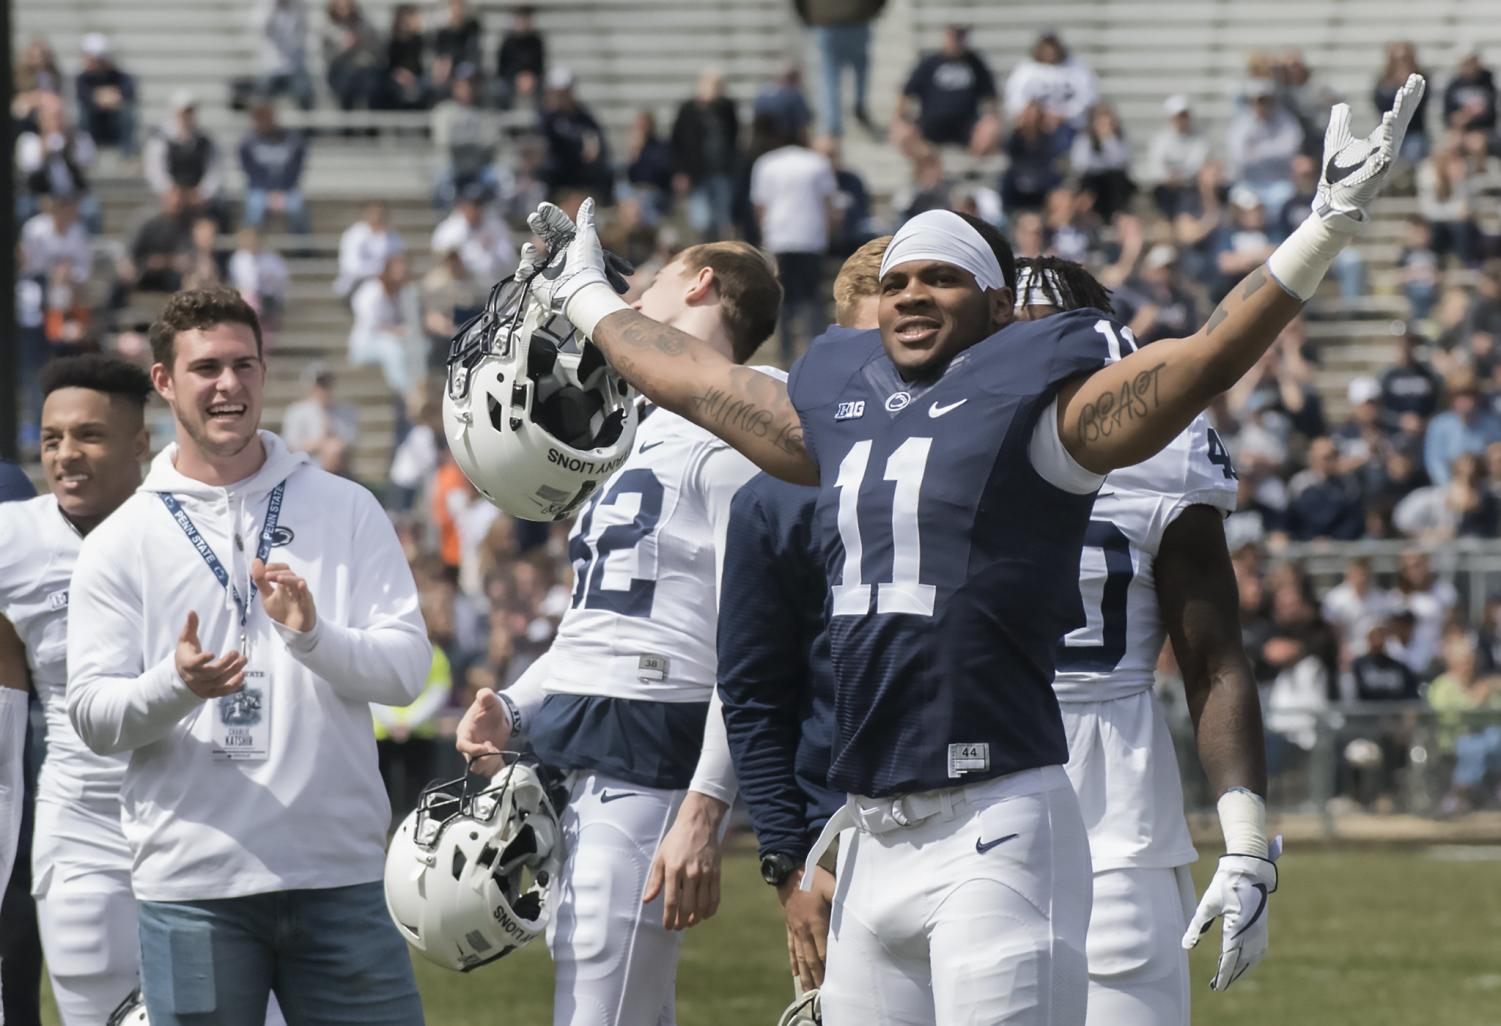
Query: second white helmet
[[470, 873], [533, 414]]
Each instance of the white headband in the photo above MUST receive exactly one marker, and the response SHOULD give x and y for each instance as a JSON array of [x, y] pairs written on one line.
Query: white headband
[[1039, 287], [944, 236]]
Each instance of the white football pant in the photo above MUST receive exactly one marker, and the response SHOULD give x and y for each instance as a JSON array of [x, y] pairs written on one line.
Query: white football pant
[[615, 964], [1138, 970], [961, 907]]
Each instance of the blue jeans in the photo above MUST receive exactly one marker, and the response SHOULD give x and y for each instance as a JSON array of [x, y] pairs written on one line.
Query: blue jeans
[[710, 207], [1476, 756], [257, 204], [840, 46], [331, 955]]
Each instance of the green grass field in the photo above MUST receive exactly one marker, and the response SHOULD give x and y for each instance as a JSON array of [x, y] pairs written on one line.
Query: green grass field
[[1359, 937]]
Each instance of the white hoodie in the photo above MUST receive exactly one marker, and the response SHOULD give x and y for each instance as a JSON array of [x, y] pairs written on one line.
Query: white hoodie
[[314, 813]]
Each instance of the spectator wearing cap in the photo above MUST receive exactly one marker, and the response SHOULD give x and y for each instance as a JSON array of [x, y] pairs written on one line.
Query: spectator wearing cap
[[1154, 302], [1174, 157], [521, 60], [1063, 84], [318, 416], [365, 247], [180, 154], [841, 31], [106, 97], [283, 28], [1260, 142], [949, 100], [1246, 242], [578, 156], [1325, 503], [272, 158], [467, 136], [476, 232], [1468, 426], [456, 44], [1363, 440]]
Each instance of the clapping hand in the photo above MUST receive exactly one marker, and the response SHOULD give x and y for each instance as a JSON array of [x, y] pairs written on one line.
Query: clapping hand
[[284, 595], [206, 675]]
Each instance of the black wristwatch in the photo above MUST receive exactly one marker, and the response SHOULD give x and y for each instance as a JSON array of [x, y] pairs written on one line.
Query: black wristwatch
[[776, 867]]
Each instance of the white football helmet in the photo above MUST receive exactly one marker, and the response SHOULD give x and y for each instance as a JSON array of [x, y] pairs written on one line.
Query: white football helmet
[[534, 415], [469, 873], [130, 1012]]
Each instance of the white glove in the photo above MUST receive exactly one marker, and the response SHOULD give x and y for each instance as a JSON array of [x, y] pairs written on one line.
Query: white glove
[[1239, 893], [1355, 170]]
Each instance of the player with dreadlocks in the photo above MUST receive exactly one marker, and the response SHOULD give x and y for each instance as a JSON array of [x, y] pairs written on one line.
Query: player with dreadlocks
[[1155, 564]]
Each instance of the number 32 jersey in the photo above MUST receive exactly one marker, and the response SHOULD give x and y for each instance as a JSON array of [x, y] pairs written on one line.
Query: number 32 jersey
[[952, 564]]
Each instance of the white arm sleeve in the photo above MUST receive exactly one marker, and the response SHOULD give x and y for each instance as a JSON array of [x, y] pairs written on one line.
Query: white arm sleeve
[[383, 654], [527, 693], [12, 746], [1052, 461]]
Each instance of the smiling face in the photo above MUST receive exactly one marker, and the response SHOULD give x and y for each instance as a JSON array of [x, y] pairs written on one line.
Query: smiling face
[[931, 311], [214, 386], [92, 447]]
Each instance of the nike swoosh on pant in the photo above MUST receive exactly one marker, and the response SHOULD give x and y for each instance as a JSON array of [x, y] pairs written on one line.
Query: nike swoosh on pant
[[982, 846], [606, 797]]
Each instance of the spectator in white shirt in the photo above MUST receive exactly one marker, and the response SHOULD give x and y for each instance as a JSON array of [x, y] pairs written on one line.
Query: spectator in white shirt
[[1354, 607], [793, 189], [309, 422], [56, 238], [54, 160], [1064, 85], [1174, 157], [259, 275], [1261, 142], [365, 247], [387, 326], [476, 232]]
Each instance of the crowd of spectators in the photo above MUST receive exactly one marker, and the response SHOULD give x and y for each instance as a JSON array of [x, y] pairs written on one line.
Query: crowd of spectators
[[1169, 222]]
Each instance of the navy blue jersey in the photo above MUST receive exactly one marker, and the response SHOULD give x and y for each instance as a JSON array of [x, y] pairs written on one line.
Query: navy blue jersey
[[774, 675], [952, 565]]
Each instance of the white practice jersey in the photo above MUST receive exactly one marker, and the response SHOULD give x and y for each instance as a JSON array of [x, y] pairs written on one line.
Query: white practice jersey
[[645, 562], [1121, 758], [1115, 652], [38, 548]]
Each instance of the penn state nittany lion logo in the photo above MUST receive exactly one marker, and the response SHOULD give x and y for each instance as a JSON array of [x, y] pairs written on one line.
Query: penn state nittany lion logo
[[281, 536], [242, 709]]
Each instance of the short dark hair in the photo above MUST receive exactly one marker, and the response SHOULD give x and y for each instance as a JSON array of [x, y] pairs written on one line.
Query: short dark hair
[[749, 291], [199, 308], [1076, 289], [998, 245], [99, 373]]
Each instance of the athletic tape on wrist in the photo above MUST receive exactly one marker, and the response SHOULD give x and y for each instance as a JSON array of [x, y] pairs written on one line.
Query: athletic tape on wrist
[[1243, 822], [1305, 256], [592, 304]]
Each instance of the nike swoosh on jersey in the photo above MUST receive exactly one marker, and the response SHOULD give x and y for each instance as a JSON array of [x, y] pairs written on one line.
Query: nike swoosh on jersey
[[651, 445], [938, 409], [1336, 173], [982, 846], [605, 797]]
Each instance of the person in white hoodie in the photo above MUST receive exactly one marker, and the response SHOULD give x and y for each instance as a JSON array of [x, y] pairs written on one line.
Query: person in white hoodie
[[243, 609]]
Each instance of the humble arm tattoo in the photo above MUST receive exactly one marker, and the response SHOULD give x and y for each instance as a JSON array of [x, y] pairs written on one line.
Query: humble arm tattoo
[[749, 410], [1127, 411]]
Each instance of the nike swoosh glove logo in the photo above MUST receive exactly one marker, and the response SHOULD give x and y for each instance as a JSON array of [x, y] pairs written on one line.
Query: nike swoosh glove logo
[[1336, 173], [938, 410], [982, 846], [1261, 889], [606, 797], [651, 445]]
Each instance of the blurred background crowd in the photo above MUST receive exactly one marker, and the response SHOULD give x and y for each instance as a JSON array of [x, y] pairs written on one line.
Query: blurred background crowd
[[1370, 469]]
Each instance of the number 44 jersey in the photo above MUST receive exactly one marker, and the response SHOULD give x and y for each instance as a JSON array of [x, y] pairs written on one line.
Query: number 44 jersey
[[953, 565]]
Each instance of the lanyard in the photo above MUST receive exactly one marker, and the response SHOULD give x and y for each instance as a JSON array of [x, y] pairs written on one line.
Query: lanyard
[[262, 550]]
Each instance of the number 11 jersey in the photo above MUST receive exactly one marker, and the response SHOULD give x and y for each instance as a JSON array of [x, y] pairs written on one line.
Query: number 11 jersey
[[952, 564]]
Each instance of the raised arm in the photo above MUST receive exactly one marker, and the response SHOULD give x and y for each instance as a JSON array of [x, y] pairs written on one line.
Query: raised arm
[[686, 375], [1127, 411]]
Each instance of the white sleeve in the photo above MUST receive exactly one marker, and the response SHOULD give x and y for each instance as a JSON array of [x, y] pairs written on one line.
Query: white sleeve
[[715, 775], [527, 692], [13, 717], [1052, 460], [383, 655], [115, 702], [29, 152]]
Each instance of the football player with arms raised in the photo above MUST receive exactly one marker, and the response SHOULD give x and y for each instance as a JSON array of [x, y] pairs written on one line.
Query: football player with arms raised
[[622, 702], [957, 457]]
